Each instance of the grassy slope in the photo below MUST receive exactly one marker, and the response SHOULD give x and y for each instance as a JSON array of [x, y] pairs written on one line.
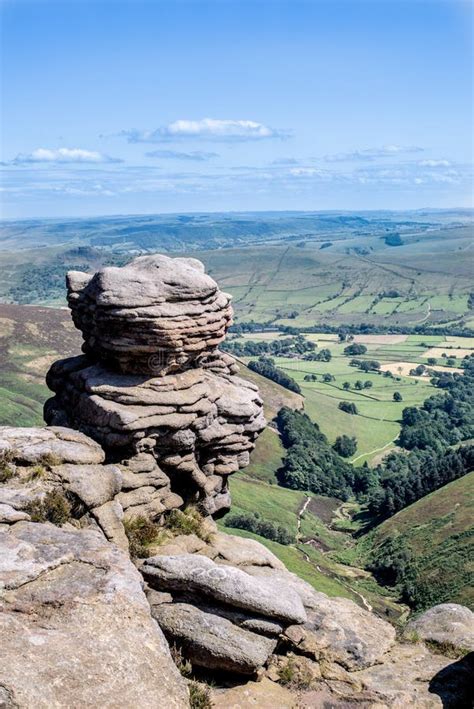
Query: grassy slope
[[439, 531]]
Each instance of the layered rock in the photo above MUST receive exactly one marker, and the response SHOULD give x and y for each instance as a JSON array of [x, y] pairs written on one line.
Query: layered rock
[[153, 389]]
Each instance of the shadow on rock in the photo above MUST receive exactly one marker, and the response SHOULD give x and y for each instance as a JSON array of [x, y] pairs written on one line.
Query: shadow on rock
[[454, 684]]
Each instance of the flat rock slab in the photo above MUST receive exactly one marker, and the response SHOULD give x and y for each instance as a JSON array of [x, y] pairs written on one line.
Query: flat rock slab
[[225, 584], [75, 627], [211, 641], [448, 623], [30, 445]]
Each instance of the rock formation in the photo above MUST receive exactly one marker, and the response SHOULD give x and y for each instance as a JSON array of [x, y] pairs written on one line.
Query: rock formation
[[152, 387], [167, 421]]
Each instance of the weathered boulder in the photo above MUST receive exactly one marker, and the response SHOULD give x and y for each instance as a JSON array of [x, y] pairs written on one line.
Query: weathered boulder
[[225, 584], [211, 641], [448, 624], [75, 625], [256, 695]]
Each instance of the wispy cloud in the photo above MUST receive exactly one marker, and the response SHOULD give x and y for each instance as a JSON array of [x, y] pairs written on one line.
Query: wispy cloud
[[373, 153], [195, 155], [62, 155], [210, 129]]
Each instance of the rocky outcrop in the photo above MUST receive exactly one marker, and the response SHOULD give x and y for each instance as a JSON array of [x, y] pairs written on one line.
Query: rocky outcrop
[[153, 389], [76, 627]]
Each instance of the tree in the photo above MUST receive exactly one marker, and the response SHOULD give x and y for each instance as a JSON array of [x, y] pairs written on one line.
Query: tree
[[355, 349], [368, 384], [346, 446], [346, 386], [359, 385], [432, 361], [328, 378], [397, 396]]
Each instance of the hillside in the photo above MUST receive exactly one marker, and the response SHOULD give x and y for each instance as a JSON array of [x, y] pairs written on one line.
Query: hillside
[[433, 540]]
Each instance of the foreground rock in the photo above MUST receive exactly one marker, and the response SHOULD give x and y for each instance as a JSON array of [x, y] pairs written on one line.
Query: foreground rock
[[75, 625], [448, 624]]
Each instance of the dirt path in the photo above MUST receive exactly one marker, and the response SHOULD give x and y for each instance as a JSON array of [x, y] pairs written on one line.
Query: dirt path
[[326, 572], [300, 515], [376, 450]]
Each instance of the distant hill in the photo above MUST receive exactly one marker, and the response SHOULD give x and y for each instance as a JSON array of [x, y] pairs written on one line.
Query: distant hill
[[430, 543], [272, 263]]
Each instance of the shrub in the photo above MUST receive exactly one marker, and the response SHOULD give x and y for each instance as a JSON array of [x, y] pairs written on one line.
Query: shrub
[[54, 507], [348, 407], [50, 459], [183, 665], [295, 675]]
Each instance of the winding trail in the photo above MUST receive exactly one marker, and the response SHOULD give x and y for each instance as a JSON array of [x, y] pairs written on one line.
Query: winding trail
[[376, 450]]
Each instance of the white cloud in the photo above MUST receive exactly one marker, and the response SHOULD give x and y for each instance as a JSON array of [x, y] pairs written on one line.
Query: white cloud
[[304, 171], [63, 155], [211, 129], [434, 163], [372, 153]]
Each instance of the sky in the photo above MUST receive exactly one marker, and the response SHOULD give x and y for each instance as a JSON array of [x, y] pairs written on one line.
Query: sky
[[152, 106]]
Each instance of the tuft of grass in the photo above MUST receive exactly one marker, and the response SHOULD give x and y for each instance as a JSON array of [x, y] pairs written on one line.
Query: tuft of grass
[[54, 507], [446, 649], [141, 533], [189, 521], [199, 696], [36, 473], [183, 665]]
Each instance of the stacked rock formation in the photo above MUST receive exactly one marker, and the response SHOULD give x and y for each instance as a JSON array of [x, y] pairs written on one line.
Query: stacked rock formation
[[152, 386]]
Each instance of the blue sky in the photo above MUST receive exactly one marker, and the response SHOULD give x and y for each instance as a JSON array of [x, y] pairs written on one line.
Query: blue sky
[[115, 106]]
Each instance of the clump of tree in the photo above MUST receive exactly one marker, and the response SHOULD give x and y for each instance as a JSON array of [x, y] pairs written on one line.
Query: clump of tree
[[279, 347], [404, 479], [263, 527], [310, 462], [355, 349], [266, 367], [348, 407], [393, 240], [324, 355], [345, 446]]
